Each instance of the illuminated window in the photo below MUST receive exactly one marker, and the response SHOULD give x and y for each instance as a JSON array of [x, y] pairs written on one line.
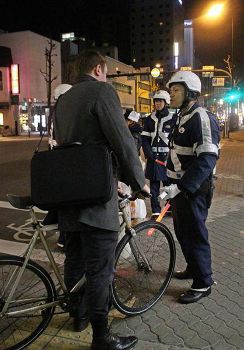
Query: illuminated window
[[1, 118], [68, 36]]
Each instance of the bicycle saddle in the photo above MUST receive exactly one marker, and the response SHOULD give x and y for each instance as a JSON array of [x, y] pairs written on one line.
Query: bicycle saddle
[[20, 202]]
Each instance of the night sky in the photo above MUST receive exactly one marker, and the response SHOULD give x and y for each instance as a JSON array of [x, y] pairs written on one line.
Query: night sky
[[50, 18]]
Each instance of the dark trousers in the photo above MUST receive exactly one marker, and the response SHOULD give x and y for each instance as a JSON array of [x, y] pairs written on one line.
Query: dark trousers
[[155, 189], [189, 216], [91, 252]]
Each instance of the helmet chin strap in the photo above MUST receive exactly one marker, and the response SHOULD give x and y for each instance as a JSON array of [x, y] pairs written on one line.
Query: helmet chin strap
[[187, 99]]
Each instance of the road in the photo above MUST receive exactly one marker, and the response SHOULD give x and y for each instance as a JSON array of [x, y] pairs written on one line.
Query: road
[[16, 230]]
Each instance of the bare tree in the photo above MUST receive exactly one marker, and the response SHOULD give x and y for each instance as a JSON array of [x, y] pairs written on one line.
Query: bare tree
[[49, 53], [230, 70]]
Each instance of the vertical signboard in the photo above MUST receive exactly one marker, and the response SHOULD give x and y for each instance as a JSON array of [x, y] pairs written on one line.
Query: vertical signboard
[[15, 79]]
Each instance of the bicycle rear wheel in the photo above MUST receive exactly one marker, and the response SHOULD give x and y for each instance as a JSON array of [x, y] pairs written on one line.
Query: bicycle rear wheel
[[34, 289], [140, 282]]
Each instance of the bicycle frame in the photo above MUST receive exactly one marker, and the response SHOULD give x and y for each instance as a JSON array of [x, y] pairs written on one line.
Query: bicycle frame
[[136, 249]]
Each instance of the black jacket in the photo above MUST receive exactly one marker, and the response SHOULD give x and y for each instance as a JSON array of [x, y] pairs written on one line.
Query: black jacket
[[90, 113]]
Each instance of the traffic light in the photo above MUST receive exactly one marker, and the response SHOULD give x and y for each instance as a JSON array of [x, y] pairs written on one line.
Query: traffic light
[[232, 96]]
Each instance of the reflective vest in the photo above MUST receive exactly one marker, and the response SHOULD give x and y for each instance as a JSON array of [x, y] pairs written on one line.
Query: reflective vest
[[194, 148]]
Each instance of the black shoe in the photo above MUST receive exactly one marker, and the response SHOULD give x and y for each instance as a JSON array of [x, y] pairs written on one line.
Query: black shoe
[[193, 295], [183, 275], [80, 324], [114, 342]]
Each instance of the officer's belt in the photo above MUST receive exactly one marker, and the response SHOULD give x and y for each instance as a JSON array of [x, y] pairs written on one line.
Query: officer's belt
[[174, 174], [160, 149]]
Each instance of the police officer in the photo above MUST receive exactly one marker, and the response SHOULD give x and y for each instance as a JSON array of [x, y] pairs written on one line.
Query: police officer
[[192, 158], [155, 146]]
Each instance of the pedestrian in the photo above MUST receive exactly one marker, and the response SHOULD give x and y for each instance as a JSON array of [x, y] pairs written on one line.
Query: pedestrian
[[194, 150], [155, 146], [132, 118], [90, 113]]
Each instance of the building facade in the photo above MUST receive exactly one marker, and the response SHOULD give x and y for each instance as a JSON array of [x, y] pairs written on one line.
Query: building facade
[[26, 109], [157, 33]]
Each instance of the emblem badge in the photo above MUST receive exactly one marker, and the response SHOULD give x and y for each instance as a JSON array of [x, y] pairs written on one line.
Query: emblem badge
[[181, 130]]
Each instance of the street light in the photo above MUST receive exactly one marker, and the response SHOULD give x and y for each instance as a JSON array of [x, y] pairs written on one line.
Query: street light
[[215, 11]]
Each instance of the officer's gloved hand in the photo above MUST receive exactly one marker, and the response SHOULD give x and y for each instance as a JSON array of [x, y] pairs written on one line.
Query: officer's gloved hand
[[169, 192]]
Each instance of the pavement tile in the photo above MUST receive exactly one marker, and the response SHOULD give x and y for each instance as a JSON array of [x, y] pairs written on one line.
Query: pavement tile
[[237, 341], [171, 339], [222, 345], [195, 342], [59, 343], [145, 345]]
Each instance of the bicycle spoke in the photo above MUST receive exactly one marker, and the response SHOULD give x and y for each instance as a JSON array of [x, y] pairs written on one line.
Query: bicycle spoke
[[33, 290], [138, 283]]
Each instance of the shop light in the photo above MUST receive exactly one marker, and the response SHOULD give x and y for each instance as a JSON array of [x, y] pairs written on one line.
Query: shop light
[[15, 79]]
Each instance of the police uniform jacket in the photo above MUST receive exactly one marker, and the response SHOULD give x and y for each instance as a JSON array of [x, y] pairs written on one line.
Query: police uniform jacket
[[155, 134], [194, 150], [90, 113]]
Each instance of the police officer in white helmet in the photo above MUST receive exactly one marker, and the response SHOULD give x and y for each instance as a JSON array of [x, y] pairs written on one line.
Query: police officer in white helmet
[[155, 146], [192, 158]]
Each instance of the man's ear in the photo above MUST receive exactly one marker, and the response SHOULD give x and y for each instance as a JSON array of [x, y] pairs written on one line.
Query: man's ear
[[97, 70]]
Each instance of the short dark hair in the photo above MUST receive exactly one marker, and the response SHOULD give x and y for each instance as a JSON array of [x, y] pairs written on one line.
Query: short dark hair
[[89, 59]]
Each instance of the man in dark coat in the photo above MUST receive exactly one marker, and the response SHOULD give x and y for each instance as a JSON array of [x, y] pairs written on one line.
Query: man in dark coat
[[90, 113]]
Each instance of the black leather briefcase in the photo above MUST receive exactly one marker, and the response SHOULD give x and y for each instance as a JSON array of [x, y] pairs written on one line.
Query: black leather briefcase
[[71, 174]]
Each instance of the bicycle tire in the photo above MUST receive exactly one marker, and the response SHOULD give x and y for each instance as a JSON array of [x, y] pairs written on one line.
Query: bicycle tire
[[17, 332], [134, 288]]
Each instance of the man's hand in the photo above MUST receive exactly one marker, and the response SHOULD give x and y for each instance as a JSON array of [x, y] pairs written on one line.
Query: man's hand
[[144, 193], [146, 189], [170, 191]]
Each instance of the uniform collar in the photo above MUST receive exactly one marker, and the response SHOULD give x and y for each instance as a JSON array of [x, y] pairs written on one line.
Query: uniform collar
[[191, 109]]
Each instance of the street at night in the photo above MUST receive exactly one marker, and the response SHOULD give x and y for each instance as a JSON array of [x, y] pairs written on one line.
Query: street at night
[[215, 322], [140, 107]]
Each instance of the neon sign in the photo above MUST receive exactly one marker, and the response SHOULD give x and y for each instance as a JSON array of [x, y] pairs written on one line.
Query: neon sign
[[15, 78]]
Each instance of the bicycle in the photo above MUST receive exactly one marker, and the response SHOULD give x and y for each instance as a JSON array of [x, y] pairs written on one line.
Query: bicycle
[[28, 295]]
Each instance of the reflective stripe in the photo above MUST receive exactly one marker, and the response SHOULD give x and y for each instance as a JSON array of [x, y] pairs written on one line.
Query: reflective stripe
[[169, 117], [184, 151], [206, 127], [145, 133], [175, 160], [174, 174], [164, 136], [160, 149], [209, 148], [153, 116]]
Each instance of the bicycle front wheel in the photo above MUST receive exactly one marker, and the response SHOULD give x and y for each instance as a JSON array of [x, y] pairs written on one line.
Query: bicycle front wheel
[[18, 330], [144, 265]]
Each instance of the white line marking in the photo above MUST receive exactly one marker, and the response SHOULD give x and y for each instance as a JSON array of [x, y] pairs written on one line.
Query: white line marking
[[7, 205]]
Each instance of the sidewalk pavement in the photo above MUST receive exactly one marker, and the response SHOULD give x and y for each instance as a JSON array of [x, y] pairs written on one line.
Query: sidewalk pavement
[[215, 322]]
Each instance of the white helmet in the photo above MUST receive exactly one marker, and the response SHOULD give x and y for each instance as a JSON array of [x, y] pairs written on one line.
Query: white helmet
[[61, 89], [134, 116], [163, 95], [189, 79]]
